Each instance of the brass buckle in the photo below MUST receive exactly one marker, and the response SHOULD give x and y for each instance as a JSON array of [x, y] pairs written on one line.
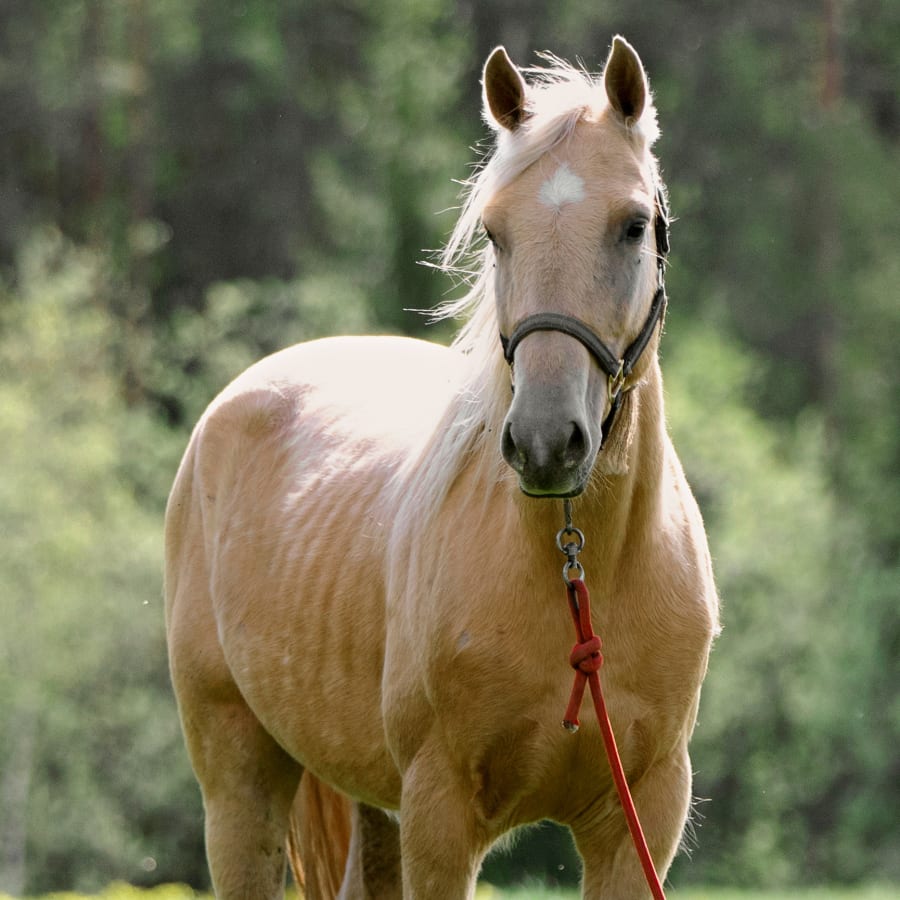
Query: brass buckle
[[616, 382]]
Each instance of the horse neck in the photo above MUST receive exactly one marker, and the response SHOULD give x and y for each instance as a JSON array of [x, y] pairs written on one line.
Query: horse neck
[[627, 498]]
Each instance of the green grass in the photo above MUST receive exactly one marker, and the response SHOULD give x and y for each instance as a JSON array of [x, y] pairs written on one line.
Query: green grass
[[487, 892], [869, 893]]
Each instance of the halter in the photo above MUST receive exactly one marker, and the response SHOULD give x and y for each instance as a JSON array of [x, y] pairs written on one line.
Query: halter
[[617, 369]]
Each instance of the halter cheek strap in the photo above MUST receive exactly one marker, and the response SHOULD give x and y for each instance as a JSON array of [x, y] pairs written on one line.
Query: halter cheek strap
[[617, 370]]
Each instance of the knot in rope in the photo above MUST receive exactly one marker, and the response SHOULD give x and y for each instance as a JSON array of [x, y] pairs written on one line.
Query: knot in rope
[[586, 656]]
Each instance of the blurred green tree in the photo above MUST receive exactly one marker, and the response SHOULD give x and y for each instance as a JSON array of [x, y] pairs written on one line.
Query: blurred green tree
[[84, 697], [795, 709]]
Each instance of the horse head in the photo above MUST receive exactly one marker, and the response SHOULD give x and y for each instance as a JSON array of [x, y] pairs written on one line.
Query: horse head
[[578, 234]]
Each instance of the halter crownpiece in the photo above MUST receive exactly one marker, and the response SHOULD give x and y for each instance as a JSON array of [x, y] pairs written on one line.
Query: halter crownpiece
[[616, 369]]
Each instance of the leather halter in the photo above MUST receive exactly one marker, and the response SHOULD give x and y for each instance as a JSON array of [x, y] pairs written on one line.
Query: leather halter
[[616, 369]]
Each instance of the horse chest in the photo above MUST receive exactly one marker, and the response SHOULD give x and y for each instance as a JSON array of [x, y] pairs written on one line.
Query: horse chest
[[492, 695]]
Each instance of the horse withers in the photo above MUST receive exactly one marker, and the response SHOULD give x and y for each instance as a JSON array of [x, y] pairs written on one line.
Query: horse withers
[[367, 629]]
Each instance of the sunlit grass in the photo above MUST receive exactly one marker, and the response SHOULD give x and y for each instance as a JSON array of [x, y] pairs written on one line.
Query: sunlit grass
[[120, 891], [864, 893], [487, 892]]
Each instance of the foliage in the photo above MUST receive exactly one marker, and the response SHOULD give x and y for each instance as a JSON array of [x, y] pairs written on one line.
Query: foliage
[[190, 185], [84, 699], [793, 707], [196, 353]]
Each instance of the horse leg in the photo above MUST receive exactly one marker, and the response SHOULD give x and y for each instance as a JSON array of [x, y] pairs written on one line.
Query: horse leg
[[442, 840], [373, 863], [248, 784], [611, 865]]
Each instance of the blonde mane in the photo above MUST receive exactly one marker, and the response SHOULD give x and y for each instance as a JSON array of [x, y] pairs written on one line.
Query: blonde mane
[[559, 97]]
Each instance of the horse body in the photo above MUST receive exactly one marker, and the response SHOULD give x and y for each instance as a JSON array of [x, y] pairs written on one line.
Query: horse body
[[283, 495], [357, 589]]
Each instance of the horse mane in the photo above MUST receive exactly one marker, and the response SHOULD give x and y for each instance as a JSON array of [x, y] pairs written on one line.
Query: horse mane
[[560, 96]]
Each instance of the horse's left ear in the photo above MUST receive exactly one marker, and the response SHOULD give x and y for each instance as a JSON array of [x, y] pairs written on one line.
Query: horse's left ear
[[504, 91], [625, 81]]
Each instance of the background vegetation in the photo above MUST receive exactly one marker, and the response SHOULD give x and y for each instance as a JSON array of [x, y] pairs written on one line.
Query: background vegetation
[[188, 184]]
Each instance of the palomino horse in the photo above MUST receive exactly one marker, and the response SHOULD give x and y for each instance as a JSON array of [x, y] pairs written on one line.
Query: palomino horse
[[362, 581]]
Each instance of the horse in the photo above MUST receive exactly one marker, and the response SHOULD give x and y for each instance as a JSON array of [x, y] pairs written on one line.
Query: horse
[[366, 636]]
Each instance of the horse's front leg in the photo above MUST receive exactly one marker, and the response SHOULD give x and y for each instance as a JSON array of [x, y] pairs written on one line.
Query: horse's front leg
[[442, 838], [612, 869]]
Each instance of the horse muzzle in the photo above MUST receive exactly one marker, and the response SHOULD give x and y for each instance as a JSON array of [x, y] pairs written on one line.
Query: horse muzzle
[[552, 459]]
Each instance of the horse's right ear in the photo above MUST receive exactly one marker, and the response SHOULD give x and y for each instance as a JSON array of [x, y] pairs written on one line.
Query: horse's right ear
[[504, 91]]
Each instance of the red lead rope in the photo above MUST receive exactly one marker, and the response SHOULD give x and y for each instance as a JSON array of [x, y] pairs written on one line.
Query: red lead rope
[[586, 660]]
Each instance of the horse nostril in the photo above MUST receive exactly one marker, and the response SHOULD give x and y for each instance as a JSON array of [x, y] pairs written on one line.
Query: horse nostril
[[508, 446], [577, 447]]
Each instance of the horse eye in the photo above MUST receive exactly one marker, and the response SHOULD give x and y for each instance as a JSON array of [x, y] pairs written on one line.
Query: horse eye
[[636, 230]]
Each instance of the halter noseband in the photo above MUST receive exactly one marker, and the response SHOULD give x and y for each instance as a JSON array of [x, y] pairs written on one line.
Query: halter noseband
[[617, 370]]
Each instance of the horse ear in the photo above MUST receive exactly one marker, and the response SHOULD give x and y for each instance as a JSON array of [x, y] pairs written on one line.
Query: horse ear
[[626, 81], [504, 91]]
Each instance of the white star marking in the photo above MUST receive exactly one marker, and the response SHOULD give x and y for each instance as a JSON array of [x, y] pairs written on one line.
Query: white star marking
[[563, 187]]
